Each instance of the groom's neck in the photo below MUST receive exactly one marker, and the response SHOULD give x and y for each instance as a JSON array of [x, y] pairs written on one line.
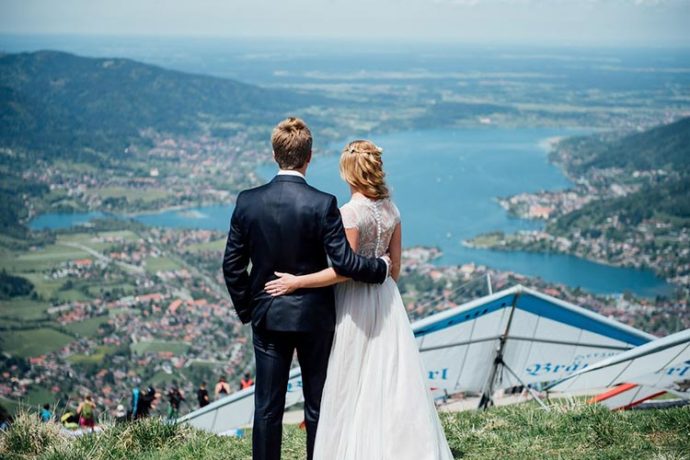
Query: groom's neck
[[302, 170]]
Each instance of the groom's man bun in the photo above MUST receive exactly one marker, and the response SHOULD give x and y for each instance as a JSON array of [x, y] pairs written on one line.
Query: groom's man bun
[[291, 141]]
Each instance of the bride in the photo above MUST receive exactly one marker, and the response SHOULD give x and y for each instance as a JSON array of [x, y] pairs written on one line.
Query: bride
[[375, 403]]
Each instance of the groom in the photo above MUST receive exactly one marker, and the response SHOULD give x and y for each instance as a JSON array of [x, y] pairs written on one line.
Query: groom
[[288, 226]]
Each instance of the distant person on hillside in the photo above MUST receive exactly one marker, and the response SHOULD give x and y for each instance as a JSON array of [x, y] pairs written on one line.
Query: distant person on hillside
[[70, 420], [202, 395], [46, 415], [246, 381], [134, 409], [146, 401], [86, 412], [120, 414], [222, 388], [5, 418], [175, 398]]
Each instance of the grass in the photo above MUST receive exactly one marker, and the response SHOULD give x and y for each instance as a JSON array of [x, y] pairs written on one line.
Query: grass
[[43, 258], [52, 289], [33, 342], [94, 358], [217, 246], [88, 327], [569, 431], [154, 346], [156, 264], [23, 309], [131, 195]]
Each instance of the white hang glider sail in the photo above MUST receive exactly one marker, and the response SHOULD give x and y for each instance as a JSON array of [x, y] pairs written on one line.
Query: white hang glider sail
[[516, 337], [648, 370], [513, 337]]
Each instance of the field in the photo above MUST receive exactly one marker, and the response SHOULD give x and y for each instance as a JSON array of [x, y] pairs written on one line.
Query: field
[[133, 195], [154, 346], [158, 264], [23, 309], [88, 327], [94, 358], [217, 246], [33, 342], [568, 431]]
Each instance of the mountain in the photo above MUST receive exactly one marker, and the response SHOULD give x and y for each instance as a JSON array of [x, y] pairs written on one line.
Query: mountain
[[58, 106], [663, 147], [58, 103]]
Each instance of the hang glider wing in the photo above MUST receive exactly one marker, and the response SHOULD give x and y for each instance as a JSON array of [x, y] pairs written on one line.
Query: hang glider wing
[[661, 365], [520, 336]]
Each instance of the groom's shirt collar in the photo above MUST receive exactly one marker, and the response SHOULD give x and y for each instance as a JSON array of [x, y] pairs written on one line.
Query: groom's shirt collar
[[290, 172]]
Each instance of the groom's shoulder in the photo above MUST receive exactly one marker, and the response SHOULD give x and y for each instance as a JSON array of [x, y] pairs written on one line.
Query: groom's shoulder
[[247, 196], [321, 196]]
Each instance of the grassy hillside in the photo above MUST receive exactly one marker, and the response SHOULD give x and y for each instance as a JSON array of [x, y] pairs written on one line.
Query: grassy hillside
[[666, 202], [663, 147], [513, 432]]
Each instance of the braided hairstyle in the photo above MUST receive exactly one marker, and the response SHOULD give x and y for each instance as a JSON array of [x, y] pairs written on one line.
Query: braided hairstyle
[[361, 167]]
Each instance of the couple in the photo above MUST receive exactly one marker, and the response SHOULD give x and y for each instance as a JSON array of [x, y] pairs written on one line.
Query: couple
[[354, 343]]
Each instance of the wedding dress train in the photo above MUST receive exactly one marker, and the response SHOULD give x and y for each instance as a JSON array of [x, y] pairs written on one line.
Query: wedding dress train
[[376, 404]]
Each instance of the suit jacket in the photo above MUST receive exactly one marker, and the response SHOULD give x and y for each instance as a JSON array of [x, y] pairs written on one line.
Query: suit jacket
[[289, 226]]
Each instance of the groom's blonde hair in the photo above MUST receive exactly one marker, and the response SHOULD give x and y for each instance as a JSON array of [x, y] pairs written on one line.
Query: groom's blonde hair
[[291, 141], [361, 166]]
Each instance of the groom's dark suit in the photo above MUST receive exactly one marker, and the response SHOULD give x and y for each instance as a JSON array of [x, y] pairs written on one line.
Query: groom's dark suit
[[288, 226]]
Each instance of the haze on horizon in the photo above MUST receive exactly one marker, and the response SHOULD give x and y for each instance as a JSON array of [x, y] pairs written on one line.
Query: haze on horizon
[[549, 22]]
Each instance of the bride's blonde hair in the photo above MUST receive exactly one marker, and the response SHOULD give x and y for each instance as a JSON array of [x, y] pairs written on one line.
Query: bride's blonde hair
[[361, 167]]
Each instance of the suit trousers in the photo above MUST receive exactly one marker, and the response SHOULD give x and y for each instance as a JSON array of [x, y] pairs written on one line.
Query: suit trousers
[[273, 351]]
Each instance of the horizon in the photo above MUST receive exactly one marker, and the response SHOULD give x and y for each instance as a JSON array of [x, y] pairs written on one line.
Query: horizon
[[383, 42], [617, 23]]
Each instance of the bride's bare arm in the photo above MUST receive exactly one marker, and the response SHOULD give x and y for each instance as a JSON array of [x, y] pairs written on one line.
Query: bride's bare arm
[[287, 283], [395, 252]]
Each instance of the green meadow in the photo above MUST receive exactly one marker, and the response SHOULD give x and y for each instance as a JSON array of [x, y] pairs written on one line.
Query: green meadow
[[33, 342], [568, 431]]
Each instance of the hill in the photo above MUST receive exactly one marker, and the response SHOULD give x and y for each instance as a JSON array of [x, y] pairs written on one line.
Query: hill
[[516, 432], [656, 160], [58, 107], [58, 103], [664, 147]]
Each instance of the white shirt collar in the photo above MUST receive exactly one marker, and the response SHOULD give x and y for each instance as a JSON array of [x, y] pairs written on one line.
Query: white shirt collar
[[290, 172]]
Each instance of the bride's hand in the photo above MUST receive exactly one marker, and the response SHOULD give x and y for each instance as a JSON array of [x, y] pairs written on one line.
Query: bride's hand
[[284, 284]]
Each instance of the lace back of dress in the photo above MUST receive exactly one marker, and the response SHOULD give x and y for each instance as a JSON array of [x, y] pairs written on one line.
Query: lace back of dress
[[375, 220]]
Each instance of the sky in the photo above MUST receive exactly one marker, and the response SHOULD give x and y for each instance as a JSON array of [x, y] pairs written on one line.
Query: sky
[[588, 22]]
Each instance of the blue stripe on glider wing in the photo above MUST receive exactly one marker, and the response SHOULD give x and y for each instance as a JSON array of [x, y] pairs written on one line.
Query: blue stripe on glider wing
[[542, 307], [466, 315]]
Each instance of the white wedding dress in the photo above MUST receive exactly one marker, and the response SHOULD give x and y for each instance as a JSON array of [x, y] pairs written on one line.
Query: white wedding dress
[[376, 404]]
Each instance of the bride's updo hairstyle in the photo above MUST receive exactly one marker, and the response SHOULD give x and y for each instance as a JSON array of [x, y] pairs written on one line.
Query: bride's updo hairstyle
[[361, 167]]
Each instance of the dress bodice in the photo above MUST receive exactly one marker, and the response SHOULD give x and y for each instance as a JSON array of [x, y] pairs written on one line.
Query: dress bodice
[[375, 221]]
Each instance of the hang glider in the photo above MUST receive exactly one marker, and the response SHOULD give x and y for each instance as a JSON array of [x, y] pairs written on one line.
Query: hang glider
[[642, 373], [515, 337]]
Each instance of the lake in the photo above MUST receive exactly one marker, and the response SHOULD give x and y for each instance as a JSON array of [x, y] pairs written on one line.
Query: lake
[[445, 183]]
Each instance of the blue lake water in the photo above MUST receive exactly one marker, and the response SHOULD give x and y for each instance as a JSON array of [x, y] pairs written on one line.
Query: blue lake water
[[445, 183], [63, 220]]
